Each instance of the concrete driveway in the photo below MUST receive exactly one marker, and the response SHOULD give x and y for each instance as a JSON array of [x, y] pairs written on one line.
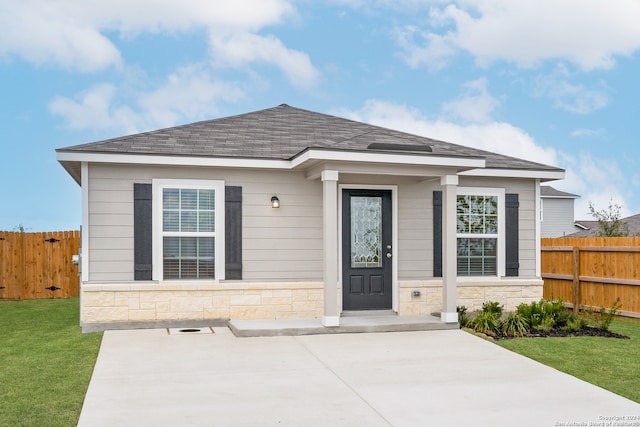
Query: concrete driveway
[[432, 378]]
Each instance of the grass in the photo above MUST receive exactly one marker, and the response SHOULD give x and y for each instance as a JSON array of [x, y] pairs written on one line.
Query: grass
[[46, 362], [610, 363]]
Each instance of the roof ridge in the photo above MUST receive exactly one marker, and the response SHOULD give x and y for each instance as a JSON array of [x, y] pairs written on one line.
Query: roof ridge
[[281, 132]]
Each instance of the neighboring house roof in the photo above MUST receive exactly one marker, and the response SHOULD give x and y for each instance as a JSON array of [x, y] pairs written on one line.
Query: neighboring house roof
[[549, 192], [284, 133], [591, 228]]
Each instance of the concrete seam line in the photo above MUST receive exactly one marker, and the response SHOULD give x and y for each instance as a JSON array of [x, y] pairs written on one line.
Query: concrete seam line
[[342, 380]]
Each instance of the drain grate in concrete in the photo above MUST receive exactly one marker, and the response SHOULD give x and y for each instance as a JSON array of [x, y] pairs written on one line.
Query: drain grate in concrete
[[190, 331]]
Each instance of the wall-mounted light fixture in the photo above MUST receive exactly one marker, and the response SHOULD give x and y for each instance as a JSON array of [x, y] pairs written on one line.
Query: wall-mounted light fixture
[[275, 202]]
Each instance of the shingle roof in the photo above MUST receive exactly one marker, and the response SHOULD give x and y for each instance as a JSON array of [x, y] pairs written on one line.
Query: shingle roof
[[281, 133], [633, 222], [547, 191]]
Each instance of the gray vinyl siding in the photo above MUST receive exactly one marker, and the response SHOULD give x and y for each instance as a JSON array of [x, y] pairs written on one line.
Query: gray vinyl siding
[[285, 243], [278, 244], [557, 217], [415, 231]]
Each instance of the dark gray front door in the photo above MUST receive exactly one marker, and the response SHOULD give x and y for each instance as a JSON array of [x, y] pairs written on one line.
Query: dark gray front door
[[366, 249]]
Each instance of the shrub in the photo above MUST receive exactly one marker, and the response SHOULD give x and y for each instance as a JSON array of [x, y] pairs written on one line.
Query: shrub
[[555, 308], [525, 310], [515, 325], [574, 323], [544, 315], [486, 322], [545, 324], [603, 318], [562, 318], [493, 307], [463, 317]]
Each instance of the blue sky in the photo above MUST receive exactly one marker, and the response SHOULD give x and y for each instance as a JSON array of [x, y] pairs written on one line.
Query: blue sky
[[553, 82]]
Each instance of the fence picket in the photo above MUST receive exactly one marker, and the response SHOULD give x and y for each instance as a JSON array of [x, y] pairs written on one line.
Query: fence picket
[[29, 265], [604, 269]]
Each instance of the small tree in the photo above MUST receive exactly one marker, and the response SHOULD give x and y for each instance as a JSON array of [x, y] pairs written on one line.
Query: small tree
[[20, 228], [609, 222]]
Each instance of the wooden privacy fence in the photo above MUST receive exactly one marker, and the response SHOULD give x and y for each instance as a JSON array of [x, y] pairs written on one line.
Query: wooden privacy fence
[[38, 265], [593, 271]]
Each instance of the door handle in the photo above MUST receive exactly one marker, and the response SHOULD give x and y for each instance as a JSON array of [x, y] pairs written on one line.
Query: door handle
[[388, 254]]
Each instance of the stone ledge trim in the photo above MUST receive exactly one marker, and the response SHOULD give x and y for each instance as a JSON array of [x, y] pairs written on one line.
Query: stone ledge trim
[[194, 286]]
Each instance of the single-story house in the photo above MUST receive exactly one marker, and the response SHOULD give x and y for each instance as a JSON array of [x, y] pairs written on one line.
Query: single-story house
[[289, 213]]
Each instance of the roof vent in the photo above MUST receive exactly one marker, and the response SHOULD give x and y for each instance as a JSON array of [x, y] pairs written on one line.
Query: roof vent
[[398, 147]]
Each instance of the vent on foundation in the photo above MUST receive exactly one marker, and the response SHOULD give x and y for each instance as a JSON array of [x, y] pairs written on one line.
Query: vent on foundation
[[190, 331]]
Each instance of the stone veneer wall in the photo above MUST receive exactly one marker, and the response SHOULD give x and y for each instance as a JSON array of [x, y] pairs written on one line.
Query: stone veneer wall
[[150, 302], [470, 293], [134, 302]]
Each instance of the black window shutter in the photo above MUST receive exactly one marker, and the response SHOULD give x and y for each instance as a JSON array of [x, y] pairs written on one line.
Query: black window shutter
[[142, 232], [233, 233], [437, 234], [512, 262]]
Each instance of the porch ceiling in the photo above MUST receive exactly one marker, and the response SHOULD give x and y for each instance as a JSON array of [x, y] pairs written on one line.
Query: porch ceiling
[[314, 171], [314, 161]]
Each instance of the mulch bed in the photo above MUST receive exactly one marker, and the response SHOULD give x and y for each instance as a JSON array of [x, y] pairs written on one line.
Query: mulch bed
[[584, 332]]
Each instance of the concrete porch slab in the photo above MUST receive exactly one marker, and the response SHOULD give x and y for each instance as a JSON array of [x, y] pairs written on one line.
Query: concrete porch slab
[[353, 323]]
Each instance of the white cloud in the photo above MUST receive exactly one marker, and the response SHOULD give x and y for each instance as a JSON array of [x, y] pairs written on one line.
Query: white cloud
[[404, 6], [587, 33], [599, 181], [596, 180], [570, 97], [240, 49], [476, 104], [428, 50], [188, 94], [95, 109], [44, 33], [497, 137], [587, 132], [78, 34]]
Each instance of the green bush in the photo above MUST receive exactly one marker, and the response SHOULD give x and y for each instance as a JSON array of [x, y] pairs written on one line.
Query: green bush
[[463, 318], [544, 314], [515, 325], [562, 318], [545, 324], [493, 307], [574, 323], [602, 319], [525, 310], [486, 322], [554, 307]]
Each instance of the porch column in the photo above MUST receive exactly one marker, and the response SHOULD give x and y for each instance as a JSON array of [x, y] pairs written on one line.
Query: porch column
[[449, 248], [330, 238]]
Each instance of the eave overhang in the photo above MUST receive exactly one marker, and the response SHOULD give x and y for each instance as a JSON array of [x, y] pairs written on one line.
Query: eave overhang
[[305, 160]]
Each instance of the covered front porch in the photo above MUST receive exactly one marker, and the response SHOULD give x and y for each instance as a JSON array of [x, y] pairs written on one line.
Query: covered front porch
[[371, 177]]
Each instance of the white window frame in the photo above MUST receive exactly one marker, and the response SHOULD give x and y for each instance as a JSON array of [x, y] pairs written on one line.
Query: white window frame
[[500, 194], [218, 186]]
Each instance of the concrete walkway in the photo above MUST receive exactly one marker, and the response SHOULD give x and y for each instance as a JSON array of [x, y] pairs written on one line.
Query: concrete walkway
[[348, 324], [432, 378]]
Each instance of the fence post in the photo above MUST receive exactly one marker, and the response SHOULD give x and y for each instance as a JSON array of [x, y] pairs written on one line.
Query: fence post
[[576, 279]]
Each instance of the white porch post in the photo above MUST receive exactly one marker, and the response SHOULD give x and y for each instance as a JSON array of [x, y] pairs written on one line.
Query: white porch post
[[449, 267], [330, 238]]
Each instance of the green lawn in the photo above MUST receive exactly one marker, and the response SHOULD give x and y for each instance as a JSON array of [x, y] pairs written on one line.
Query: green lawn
[[45, 362], [607, 362]]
